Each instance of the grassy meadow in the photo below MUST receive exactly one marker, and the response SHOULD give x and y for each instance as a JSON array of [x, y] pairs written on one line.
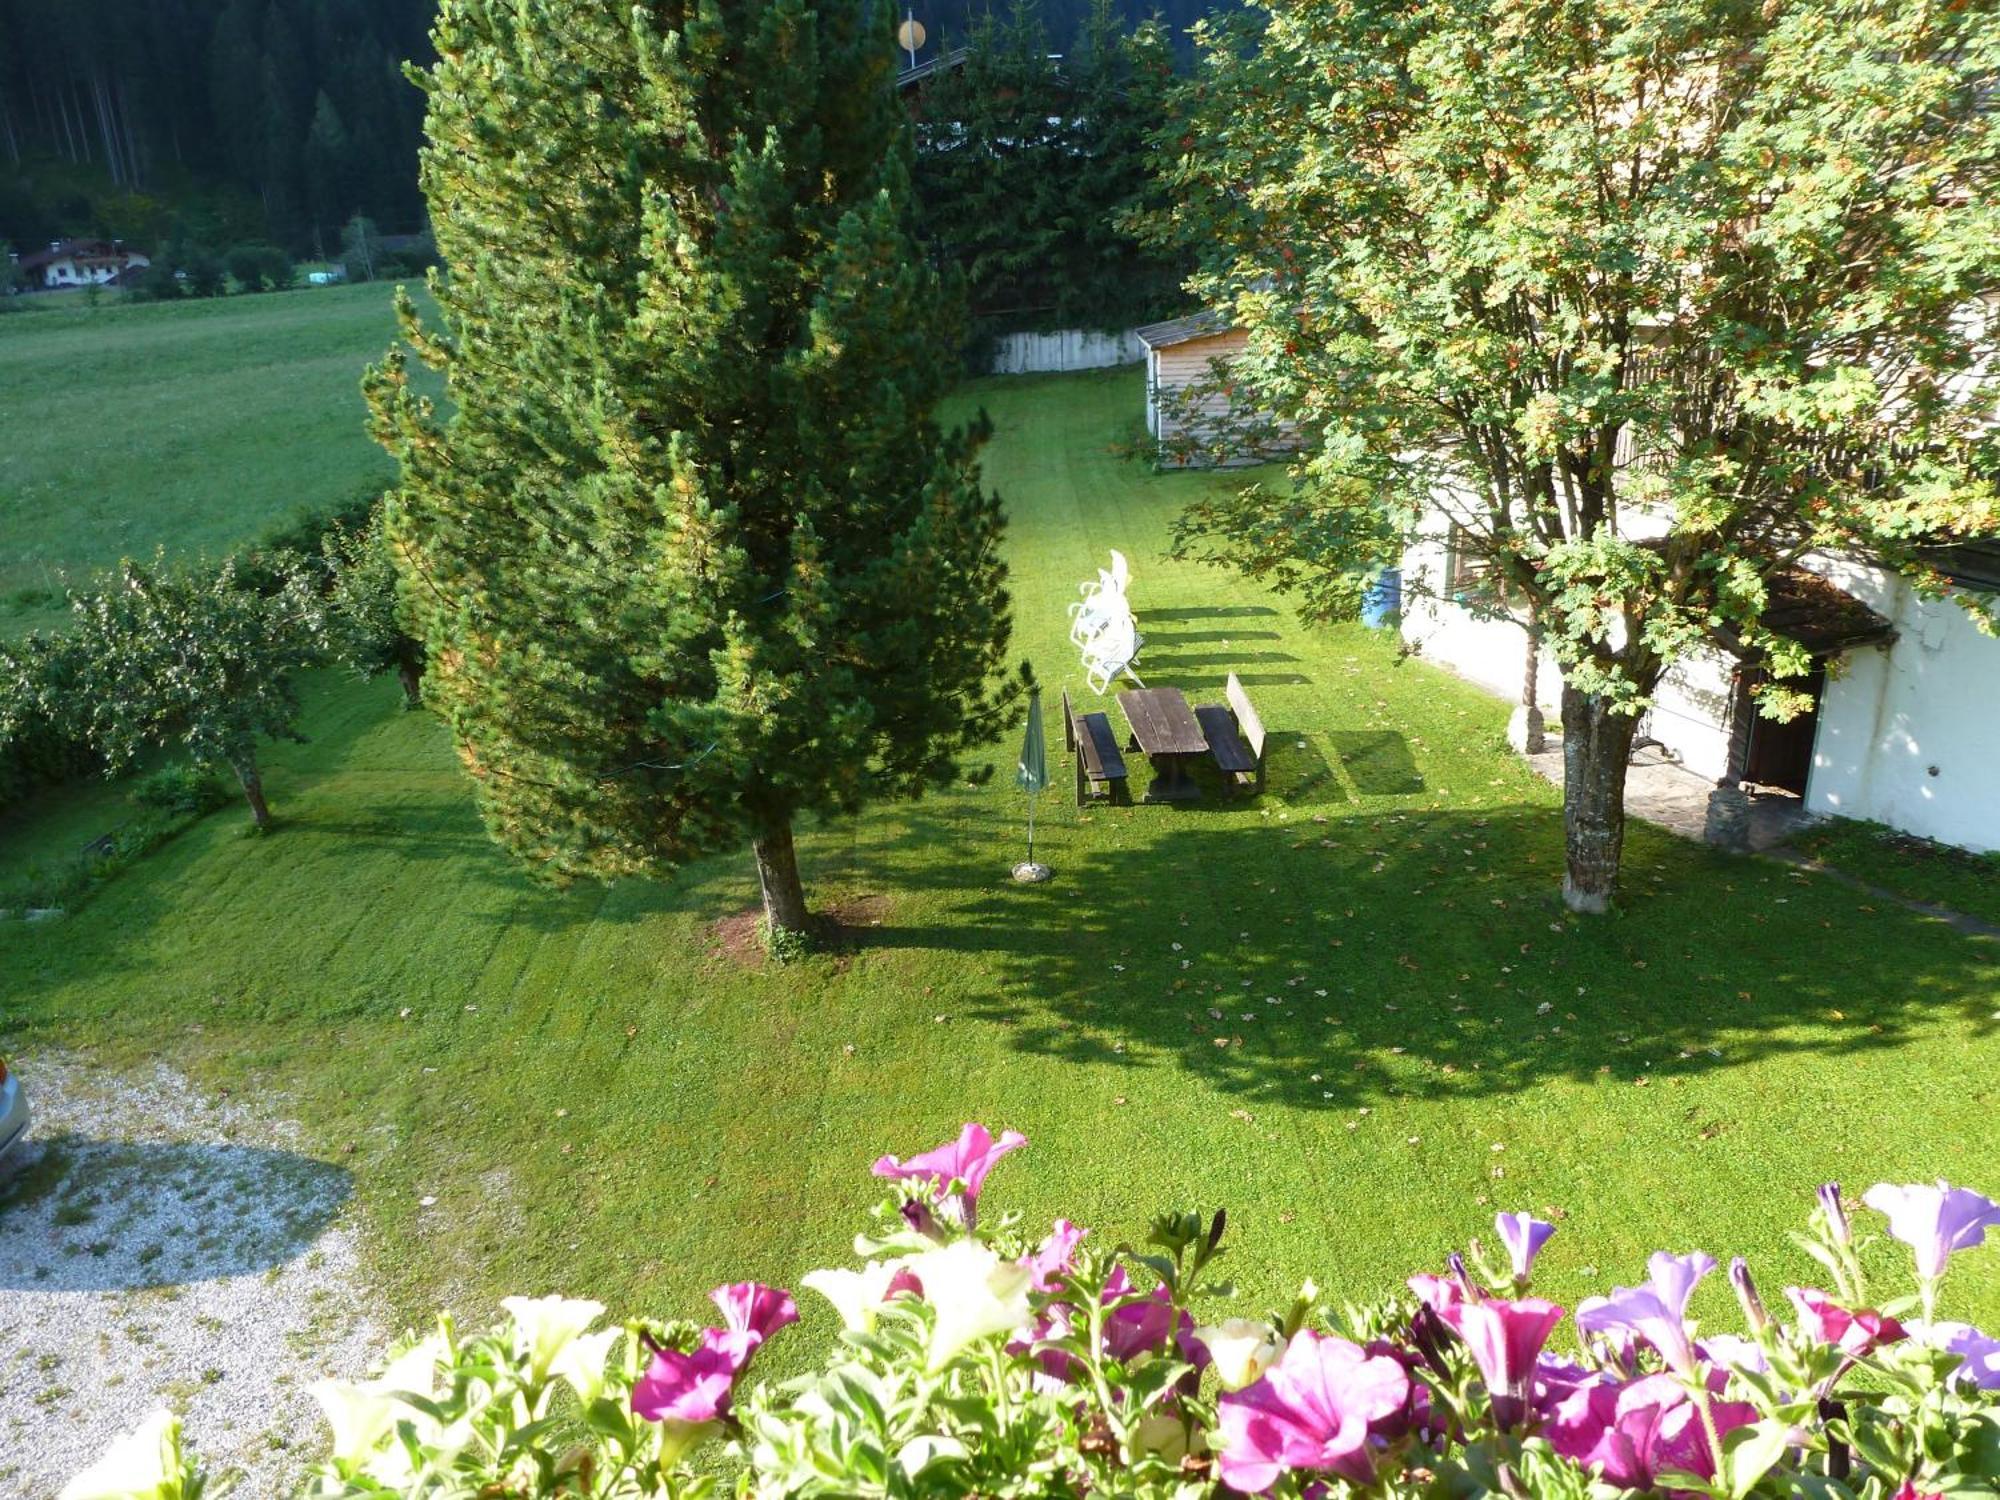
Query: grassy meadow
[[190, 425], [1352, 1010]]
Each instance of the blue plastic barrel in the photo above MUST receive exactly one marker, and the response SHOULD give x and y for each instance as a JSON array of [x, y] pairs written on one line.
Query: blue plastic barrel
[[1383, 599]]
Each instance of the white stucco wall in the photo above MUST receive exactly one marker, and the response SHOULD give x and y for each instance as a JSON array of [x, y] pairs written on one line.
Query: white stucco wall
[[1690, 713], [1929, 700]]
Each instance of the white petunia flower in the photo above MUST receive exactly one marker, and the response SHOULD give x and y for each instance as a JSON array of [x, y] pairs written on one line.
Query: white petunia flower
[[142, 1465], [1242, 1349], [545, 1325], [582, 1361], [856, 1295], [974, 1293]]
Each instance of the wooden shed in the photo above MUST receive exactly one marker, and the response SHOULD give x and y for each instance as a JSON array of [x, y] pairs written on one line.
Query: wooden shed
[[1188, 399]]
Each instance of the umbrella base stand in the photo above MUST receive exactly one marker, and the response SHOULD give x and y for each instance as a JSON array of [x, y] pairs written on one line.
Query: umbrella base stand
[[1028, 872]]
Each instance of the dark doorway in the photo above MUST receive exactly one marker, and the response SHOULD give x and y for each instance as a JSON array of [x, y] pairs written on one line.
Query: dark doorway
[[1774, 754]]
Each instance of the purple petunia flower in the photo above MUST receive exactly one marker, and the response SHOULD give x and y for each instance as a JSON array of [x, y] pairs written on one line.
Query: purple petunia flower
[[1523, 1235], [1506, 1338], [1754, 1312], [1836, 1213], [966, 1160], [1934, 1221], [1656, 1312], [1312, 1411], [1980, 1353]]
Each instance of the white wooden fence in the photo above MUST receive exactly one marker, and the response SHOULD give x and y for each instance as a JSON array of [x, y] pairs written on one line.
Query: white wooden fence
[[1068, 349]]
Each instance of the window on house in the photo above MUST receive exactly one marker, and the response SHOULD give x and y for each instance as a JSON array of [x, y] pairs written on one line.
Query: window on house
[[1467, 569]]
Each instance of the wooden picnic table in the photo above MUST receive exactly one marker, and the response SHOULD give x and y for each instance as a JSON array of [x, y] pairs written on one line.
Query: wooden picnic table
[[1166, 730]]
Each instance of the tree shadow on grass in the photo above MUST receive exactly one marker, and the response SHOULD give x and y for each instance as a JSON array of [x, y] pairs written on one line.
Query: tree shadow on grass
[[1174, 639], [1379, 762], [1205, 612], [1332, 962], [84, 1214], [1297, 773], [1171, 661]]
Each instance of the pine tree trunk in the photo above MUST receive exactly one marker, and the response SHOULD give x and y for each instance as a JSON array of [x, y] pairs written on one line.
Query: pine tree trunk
[[253, 792], [1597, 746], [778, 875]]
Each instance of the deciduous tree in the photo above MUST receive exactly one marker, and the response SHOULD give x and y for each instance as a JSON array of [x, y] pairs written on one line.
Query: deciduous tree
[[364, 618], [692, 555], [187, 658], [1650, 298]]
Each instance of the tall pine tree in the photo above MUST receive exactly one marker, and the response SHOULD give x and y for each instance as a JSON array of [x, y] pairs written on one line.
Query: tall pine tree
[[692, 555]]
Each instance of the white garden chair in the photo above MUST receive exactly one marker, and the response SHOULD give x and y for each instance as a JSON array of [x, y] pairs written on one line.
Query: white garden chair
[[1115, 581], [1111, 654], [1091, 618]]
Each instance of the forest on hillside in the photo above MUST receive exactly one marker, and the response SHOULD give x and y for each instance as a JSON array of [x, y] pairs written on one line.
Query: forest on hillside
[[221, 119], [214, 122]]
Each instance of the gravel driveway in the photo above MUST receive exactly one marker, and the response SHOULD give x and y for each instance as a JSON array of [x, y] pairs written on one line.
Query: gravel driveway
[[161, 1247]]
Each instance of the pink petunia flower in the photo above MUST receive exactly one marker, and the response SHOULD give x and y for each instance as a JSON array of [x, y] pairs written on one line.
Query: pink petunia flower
[[1854, 1331], [1056, 1256], [966, 1160], [1312, 1411], [692, 1389], [751, 1307]]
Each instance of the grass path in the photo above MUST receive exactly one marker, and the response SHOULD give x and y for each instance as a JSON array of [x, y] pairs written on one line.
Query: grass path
[[1351, 1011]]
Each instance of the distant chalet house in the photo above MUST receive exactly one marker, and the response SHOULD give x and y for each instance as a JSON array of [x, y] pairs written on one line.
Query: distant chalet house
[[913, 81], [1906, 715], [80, 263], [1191, 407]]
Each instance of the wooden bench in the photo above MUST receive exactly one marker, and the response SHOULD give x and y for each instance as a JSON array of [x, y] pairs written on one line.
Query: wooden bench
[[1098, 761], [1235, 736]]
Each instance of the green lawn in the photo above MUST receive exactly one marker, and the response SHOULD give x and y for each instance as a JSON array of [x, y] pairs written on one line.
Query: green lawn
[[1350, 1011], [191, 425], [1918, 869]]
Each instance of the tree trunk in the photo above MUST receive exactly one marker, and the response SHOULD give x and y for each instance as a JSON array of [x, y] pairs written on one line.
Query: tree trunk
[[1531, 691], [411, 675], [1597, 746], [253, 792], [778, 875]]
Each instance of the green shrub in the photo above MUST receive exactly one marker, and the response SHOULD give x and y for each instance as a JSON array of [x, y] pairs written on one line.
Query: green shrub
[[260, 268], [183, 789]]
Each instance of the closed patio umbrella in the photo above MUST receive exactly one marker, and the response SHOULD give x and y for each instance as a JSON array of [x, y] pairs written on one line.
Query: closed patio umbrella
[[1031, 775]]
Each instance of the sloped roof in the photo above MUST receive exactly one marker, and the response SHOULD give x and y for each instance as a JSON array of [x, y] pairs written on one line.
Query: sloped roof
[[64, 249], [1199, 325], [1970, 565], [1820, 615]]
